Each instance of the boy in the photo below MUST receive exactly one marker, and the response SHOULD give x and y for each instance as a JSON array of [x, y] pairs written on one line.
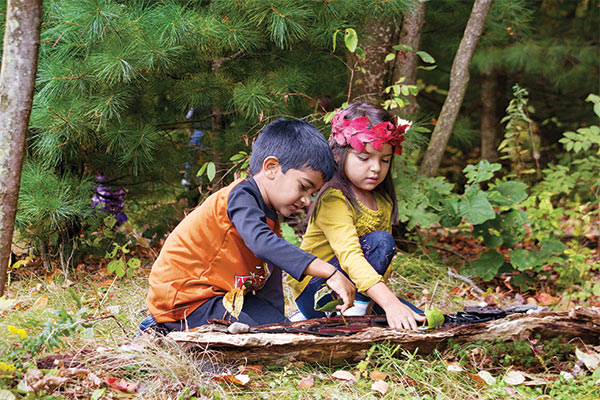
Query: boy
[[232, 239]]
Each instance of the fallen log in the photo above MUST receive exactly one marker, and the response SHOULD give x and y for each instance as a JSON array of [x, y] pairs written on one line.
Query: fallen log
[[581, 324]]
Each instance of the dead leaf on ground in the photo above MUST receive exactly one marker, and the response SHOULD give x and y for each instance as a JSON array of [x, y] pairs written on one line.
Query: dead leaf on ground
[[487, 377], [590, 360], [41, 302], [240, 379], [546, 299], [344, 376], [380, 387], [255, 369], [378, 375], [122, 385], [307, 382], [514, 378]]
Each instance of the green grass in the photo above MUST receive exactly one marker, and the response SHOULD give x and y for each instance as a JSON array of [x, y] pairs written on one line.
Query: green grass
[[166, 370]]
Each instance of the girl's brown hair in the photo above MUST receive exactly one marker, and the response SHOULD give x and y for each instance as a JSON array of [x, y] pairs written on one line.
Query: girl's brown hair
[[340, 181]]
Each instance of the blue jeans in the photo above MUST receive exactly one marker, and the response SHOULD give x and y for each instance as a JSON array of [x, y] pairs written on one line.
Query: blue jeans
[[379, 249]]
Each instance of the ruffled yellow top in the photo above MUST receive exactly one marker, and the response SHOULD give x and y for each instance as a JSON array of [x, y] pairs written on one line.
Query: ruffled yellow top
[[334, 232]]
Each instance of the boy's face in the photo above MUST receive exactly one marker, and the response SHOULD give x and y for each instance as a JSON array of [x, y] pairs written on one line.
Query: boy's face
[[289, 192]]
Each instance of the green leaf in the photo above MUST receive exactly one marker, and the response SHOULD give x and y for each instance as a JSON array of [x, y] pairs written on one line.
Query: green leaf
[[428, 68], [331, 306], [335, 39], [288, 233], [492, 241], [389, 57], [360, 53], [202, 169], [350, 39], [98, 393], [211, 171], [426, 57], [508, 193], [435, 317], [475, 207], [480, 172], [487, 266], [522, 259], [134, 263], [402, 47]]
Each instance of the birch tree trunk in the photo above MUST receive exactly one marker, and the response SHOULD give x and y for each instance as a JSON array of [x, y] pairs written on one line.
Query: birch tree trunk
[[490, 123], [406, 61], [459, 79], [17, 80]]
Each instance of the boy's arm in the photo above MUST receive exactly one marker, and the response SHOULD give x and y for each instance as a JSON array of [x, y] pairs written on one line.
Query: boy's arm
[[244, 210], [337, 281]]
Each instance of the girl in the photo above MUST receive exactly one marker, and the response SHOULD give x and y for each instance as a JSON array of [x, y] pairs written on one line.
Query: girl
[[350, 221]]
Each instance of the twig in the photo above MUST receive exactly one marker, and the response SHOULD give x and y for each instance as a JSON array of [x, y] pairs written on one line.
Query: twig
[[453, 274], [433, 294]]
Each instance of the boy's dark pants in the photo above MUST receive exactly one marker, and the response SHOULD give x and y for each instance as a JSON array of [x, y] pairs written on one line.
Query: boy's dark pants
[[264, 307]]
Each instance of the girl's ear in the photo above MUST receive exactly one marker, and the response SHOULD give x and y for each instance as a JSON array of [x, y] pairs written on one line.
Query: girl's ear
[[271, 166]]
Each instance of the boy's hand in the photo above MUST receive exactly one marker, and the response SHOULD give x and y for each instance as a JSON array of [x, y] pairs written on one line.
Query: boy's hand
[[344, 288]]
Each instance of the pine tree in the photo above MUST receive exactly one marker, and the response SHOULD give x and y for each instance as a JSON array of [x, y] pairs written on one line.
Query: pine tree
[[117, 78]]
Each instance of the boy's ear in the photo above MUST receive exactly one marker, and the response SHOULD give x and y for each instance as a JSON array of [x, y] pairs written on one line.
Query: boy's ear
[[271, 166]]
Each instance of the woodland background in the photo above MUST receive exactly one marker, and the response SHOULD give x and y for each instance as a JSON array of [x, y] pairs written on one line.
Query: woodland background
[[141, 109]]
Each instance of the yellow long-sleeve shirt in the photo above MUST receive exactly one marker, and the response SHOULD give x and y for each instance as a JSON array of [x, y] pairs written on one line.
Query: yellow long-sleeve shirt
[[335, 230]]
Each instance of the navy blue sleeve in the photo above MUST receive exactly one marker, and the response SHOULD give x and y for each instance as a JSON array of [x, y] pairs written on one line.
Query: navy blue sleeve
[[245, 210]]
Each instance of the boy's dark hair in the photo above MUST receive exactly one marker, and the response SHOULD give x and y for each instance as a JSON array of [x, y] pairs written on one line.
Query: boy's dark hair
[[340, 180], [296, 144]]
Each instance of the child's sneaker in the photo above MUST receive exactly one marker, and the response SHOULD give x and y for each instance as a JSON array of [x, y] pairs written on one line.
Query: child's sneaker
[[359, 308], [297, 316]]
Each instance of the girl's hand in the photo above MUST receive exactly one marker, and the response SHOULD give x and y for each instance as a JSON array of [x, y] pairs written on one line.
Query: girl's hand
[[399, 315], [344, 288]]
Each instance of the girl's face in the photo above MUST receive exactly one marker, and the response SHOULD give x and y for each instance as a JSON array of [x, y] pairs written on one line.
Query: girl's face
[[366, 170]]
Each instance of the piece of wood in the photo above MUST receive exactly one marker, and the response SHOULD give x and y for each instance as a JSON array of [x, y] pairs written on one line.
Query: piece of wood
[[582, 324]]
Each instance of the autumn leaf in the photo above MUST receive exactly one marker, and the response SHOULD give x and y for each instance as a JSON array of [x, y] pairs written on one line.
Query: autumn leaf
[[239, 379], [307, 382], [233, 301], [378, 375], [514, 378], [122, 385], [344, 376], [380, 386]]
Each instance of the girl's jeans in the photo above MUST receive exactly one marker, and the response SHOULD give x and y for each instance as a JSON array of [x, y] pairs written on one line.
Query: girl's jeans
[[379, 249]]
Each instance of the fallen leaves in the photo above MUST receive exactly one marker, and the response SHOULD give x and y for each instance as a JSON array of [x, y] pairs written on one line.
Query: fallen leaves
[[344, 376], [307, 382], [380, 386]]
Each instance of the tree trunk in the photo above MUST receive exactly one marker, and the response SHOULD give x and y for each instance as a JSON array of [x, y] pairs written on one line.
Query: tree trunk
[[490, 123], [406, 61], [459, 78], [579, 325], [369, 86], [17, 80]]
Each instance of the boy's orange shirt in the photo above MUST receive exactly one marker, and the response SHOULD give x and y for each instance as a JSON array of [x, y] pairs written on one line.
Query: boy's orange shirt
[[202, 258]]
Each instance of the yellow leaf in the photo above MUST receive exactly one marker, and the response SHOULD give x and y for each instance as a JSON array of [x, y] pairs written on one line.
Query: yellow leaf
[[233, 301], [41, 302]]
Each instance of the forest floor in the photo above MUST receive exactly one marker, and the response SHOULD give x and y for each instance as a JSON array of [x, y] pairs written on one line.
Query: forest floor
[[73, 339]]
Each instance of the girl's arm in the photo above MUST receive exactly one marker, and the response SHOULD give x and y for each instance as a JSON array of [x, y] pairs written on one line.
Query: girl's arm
[[398, 314]]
